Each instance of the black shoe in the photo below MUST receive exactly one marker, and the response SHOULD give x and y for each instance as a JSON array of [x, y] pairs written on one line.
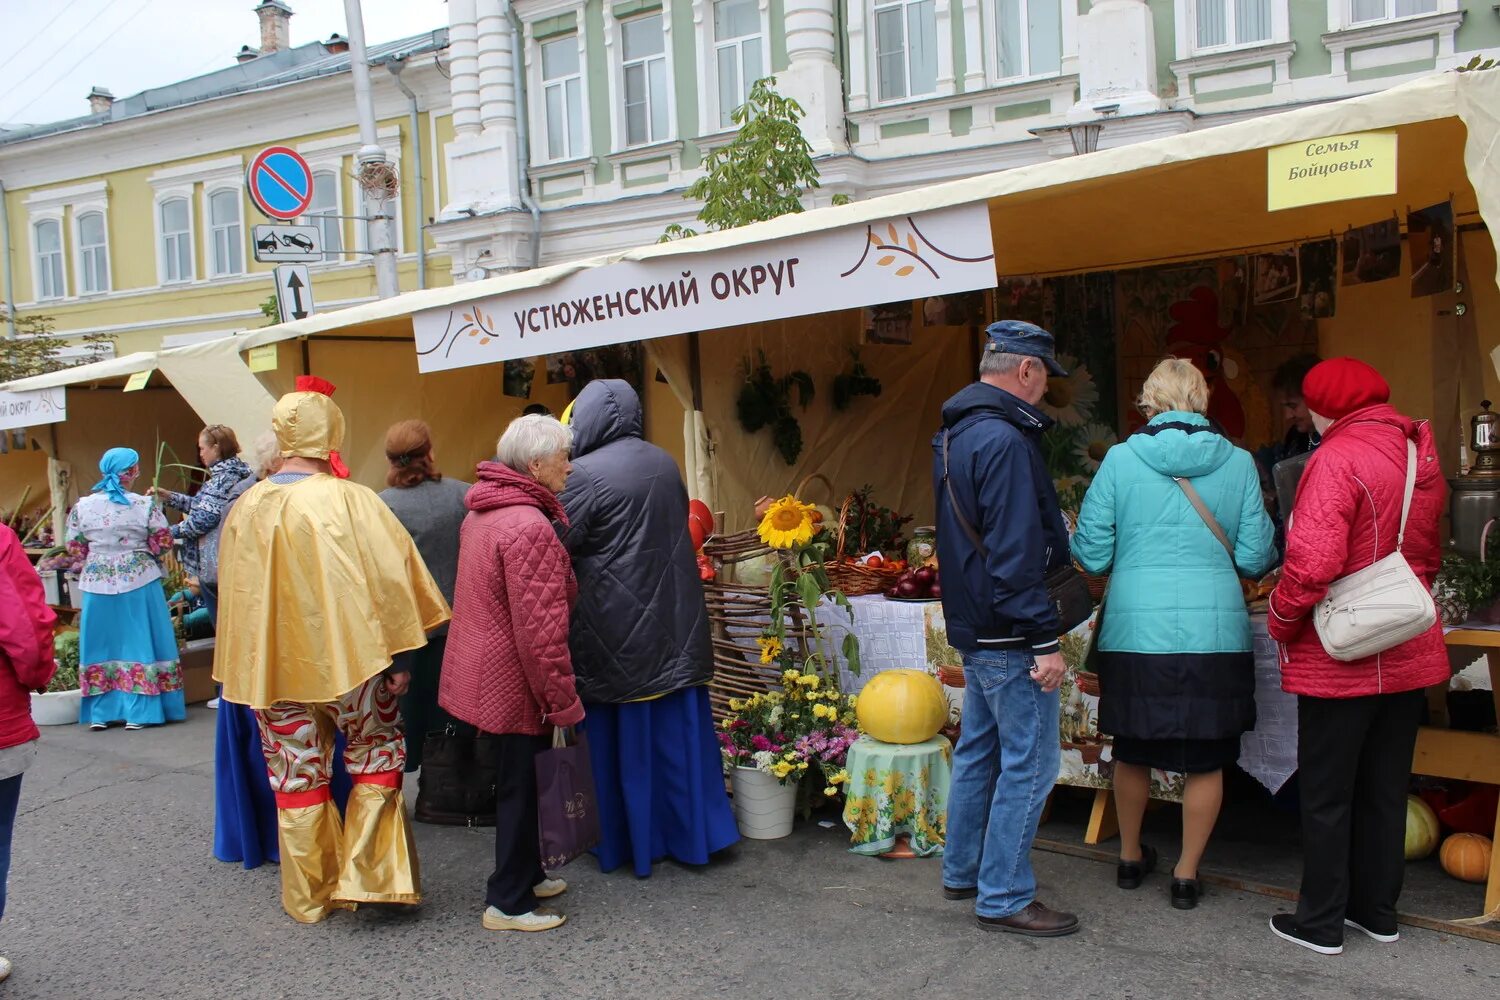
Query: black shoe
[[1374, 930], [1285, 926], [1130, 874], [1185, 893], [952, 893]]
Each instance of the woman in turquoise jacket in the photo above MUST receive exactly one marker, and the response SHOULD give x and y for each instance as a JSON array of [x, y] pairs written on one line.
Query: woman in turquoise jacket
[[1176, 671]]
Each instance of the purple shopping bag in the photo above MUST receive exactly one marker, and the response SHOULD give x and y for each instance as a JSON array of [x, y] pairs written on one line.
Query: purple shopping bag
[[566, 808]]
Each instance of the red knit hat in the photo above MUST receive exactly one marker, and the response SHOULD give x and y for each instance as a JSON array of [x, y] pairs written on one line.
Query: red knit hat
[[1337, 387]]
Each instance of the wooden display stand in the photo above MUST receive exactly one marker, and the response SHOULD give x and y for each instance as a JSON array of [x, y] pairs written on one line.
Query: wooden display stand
[[1444, 753]]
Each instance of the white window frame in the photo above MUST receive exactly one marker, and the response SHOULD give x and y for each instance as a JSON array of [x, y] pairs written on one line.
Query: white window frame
[[1186, 13], [703, 19], [57, 204], [1341, 14], [614, 50], [37, 220], [877, 7], [211, 241], [536, 107], [864, 88], [338, 154], [336, 167], [162, 197], [543, 128], [988, 37], [80, 262]]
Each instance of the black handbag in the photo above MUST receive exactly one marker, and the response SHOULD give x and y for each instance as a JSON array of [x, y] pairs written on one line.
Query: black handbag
[[1066, 587], [457, 783]]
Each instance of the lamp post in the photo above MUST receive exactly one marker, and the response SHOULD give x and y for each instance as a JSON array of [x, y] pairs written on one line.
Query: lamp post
[[376, 177]]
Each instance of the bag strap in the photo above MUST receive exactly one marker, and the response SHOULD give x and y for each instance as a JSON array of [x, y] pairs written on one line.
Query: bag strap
[[963, 522], [1208, 517], [1411, 486]]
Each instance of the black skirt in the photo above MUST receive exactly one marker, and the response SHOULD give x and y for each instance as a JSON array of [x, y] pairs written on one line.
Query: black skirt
[[1183, 756]]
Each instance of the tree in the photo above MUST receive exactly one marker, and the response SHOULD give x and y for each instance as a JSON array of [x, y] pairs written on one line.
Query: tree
[[36, 349], [762, 173]]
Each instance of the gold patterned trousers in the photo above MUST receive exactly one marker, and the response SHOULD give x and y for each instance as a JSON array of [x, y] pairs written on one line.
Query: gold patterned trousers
[[367, 857]]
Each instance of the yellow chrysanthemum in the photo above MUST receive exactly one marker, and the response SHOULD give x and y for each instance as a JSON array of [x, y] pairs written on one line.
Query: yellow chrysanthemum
[[787, 523], [781, 769], [789, 677], [736, 704], [840, 778], [830, 791], [810, 680], [770, 648]]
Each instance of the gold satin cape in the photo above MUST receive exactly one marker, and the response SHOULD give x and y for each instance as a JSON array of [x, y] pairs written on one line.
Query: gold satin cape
[[319, 587]]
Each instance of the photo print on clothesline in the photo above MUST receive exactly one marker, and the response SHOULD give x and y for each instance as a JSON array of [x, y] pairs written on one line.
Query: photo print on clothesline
[[519, 375], [1372, 253], [1430, 244], [889, 323], [1276, 276], [1318, 264], [959, 309]]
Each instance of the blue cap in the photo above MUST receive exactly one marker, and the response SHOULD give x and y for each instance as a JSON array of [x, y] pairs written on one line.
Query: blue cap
[[1013, 336]]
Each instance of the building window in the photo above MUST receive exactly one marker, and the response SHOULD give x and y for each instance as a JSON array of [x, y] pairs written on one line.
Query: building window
[[905, 49], [1029, 36], [176, 240], [228, 233], [1227, 23], [738, 46], [1364, 11], [323, 212], [49, 260], [93, 254], [643, 48], [562, 95]]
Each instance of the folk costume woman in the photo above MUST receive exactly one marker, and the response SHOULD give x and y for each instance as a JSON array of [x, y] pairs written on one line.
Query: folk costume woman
[[127, 647], [319, 588]]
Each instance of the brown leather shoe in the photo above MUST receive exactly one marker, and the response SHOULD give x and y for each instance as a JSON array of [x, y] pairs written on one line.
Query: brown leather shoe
[[1034, 921]]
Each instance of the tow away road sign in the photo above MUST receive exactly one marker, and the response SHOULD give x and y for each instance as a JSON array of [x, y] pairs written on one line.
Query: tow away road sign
[[280, 183], [293, 292], [280, 244]]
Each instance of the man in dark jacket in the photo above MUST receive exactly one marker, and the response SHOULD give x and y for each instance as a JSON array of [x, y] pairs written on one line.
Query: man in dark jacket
[[999, 532], [640, 641]]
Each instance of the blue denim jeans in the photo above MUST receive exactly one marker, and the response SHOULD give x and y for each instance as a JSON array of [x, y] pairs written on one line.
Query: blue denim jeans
[[10, 797], [1004, 767]]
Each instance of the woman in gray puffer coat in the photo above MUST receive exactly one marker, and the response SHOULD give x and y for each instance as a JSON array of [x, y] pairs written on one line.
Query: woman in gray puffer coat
[[640, 642]]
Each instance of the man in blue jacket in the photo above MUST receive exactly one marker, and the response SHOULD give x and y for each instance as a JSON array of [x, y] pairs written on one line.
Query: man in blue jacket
[[999, 532]]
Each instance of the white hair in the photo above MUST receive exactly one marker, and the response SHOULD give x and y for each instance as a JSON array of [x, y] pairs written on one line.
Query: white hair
[[999, 363], [266, 452], [532, 438]]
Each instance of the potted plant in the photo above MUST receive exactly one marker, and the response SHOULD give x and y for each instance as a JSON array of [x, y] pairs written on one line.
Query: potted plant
[[59, 705], [771, 741], [1466, 588]]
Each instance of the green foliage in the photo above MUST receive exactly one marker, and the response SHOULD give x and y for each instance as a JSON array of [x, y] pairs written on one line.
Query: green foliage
[[66, 649], [762, 173], [857, 381], [35, 349], [765, 400], [1474, 583], [873, 528], [1478, 64], [271, 311]]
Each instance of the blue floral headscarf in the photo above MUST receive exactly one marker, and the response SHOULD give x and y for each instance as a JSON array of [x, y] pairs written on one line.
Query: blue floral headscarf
[[114, 462]]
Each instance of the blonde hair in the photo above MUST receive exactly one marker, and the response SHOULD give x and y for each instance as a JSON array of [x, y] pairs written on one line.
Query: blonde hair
[[1174, 384]]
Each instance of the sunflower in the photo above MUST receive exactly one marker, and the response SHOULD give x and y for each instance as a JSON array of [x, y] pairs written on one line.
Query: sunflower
[[1093, 442], [770, 648], [787, 523], [1070, 400]]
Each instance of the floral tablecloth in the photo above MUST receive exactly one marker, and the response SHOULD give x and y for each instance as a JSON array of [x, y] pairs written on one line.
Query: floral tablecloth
[[897, 789]]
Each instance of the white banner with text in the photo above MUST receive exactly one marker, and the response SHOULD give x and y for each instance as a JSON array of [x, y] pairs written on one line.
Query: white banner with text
[[894, 260], [33, 409]]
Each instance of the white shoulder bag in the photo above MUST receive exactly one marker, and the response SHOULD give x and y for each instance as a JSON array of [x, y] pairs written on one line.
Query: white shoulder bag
[[1382, 605]]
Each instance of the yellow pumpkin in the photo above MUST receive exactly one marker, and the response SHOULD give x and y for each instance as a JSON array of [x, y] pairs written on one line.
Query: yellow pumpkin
[[902, 706], [1467, 856], [1421, 829]]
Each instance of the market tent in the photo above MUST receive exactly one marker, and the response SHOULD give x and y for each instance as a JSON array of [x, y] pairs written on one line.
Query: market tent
[[1186, 197]]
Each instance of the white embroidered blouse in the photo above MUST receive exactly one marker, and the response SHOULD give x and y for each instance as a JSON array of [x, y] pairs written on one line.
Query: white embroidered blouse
[[120, 543]]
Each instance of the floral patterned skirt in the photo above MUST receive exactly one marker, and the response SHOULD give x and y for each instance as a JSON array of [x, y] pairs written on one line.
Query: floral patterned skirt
[[128, 659]]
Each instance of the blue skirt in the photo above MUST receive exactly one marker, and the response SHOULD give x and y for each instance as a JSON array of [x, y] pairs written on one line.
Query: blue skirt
[[659, 780], [244, 805], [128, 659]]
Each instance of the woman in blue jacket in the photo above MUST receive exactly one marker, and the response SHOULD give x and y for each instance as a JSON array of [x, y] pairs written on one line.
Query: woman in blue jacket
[[1175, 666]]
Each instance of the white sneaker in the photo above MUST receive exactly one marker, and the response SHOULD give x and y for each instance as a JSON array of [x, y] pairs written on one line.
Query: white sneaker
[[539, 919], [97, 727], [549, 887], [5, 969], [214, 703], [133, 727]]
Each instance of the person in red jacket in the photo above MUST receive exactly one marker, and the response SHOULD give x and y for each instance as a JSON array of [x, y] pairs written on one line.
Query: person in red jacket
[[507, 669], [1357, 721], [26, 665]]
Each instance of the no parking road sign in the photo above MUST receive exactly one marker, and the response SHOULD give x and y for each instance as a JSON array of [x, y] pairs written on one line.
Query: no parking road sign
[[280, 183]]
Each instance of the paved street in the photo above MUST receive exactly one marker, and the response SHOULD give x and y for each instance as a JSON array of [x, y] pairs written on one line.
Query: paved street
[[114, 893]]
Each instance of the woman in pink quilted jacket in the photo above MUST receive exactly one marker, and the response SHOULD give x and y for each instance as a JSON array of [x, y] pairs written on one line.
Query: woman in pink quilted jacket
[[507, 669], [1357, 721]]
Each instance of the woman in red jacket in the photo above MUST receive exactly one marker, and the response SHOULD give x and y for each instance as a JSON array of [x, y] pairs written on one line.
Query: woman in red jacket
[[26, 665], [507, 669], [1357, 721]]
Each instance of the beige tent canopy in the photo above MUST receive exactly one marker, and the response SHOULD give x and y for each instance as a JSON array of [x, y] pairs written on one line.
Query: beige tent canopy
[[1188, 197]]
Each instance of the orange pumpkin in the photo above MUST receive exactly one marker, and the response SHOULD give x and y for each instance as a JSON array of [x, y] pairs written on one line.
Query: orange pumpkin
[[1467, 856]]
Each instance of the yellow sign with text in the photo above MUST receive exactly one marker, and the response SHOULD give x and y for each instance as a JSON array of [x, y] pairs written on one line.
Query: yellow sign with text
[[1336, 168], [138, 381], [263, 358]]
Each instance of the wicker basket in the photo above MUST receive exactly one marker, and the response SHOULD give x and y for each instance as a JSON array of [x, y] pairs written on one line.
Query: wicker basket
[[850, 577]]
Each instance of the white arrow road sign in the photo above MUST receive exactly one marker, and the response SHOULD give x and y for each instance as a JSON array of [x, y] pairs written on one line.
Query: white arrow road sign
[[293, 292], [280, 244]]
